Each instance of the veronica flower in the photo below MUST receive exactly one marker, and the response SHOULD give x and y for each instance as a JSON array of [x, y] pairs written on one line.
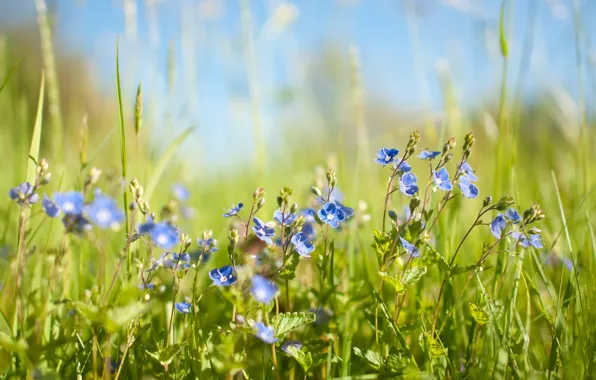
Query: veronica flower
[[233, 211], [263, 231], [146, 227], [265, 333], [302, 245], [76, 223], [71, 202], [513, 215], [407, 184], [262, 289], [498, 225], [331, 214], [347, 210], [386, 156], [411, 248], [309, 231], [180, 192], [223, 276], [164, 235], [404, 166], [104, 212], [50, 207], [286, 218], [207, 245], [291, 343], [441, 178], [23, 194], [468, 171], [468, 189], [184, 307], [178, 261], [429, 155], [149, 286], [534, 240]]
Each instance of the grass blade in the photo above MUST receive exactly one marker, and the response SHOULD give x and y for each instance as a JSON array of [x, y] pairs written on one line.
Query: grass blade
[[12, 70], [36, 138]]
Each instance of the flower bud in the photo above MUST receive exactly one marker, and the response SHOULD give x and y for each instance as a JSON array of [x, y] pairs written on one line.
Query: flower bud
[[487, 201], [392, 215], [504, 203], [316, 191], [280, 201], [260, 203], [258, 194], [233, 236], [294, 208], [206, 234], [414, 203]]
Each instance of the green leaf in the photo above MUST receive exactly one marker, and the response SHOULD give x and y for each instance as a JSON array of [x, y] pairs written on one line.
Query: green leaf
[[373, 359], [304, 358], [480, 315], [286, 322], [413, 274], [36, 137], [289, 270], [12, 70], [165, 355], [435, 347], [502, 39], [394, 282], [119, 317]]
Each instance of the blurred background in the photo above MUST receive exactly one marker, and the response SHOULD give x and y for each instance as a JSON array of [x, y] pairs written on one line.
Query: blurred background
[[275, 88]]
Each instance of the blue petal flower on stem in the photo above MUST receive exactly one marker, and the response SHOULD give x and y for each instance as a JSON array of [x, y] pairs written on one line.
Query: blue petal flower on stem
[[262, 289], [291, 343], [265, 333], [404, 166], [498, 225], [50, 208], [331, 214], [263, 231], [386, 156], [468, 189], [468, 171], [411, 248], [180, 192], [77, 224], [233, 211], [441, 178], [178, 261], [71, 202], [164, 235], [207, 245], [302, 245], [407, 184], [223, 276], [184, 307], [348, 211], [104, 212], [286, 217], [513, 215], [429, 154], [23, 194]]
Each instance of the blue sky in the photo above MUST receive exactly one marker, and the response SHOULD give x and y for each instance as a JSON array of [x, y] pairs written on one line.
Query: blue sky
[[211, 89]]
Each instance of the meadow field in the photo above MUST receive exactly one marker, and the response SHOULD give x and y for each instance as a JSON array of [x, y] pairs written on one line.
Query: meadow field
[[315, 231]]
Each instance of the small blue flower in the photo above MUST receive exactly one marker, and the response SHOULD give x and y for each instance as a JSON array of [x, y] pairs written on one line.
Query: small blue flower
[[291, 343], [146, 227], [178, 261], [233, 211], [207, 245], [568, 264], [71, 202], [265, 333], [156, 263], [149, 286], [513, 215], [184, 307], [51, 208], [262, 289], [347, 210], [286, 217], [534, 240], [441, 179], [77, 224], [309, 231], [302, 245], [321, 315], [223, 276], [468, 171], [331, 214], [104, 212], [263, 231], [498, 225], [164, 235], [429, 155], [468, 189], [386, 156], [404, 166], [180, 192], [407, 184], [23, 194], [411, 248]]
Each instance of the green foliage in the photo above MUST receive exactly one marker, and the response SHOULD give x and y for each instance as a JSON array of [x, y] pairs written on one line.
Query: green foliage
[[287, 322]]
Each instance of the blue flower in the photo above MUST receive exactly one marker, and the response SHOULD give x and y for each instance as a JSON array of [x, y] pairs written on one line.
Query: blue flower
[[291, 343], [178, 261], [302, 245], [568, 264], [164, 235], [429, 155], [347, 210], [441, 179], [180, 192], [51, 208], [286, 217], [104, 212], [331, 214], [71, 202], [233, 211], [468, 171], [386, 156], [223, 276], [262, 289], [263, 231], [184, 307], [498, 225], [534, 240], [23, 194], [149, 286], [309, 231], [468, 189], [265, 333], [513, 215], [207, 245], [76, 223], [411, 248], [156, 263], [404, 166], [407, 184], [146, 227]]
